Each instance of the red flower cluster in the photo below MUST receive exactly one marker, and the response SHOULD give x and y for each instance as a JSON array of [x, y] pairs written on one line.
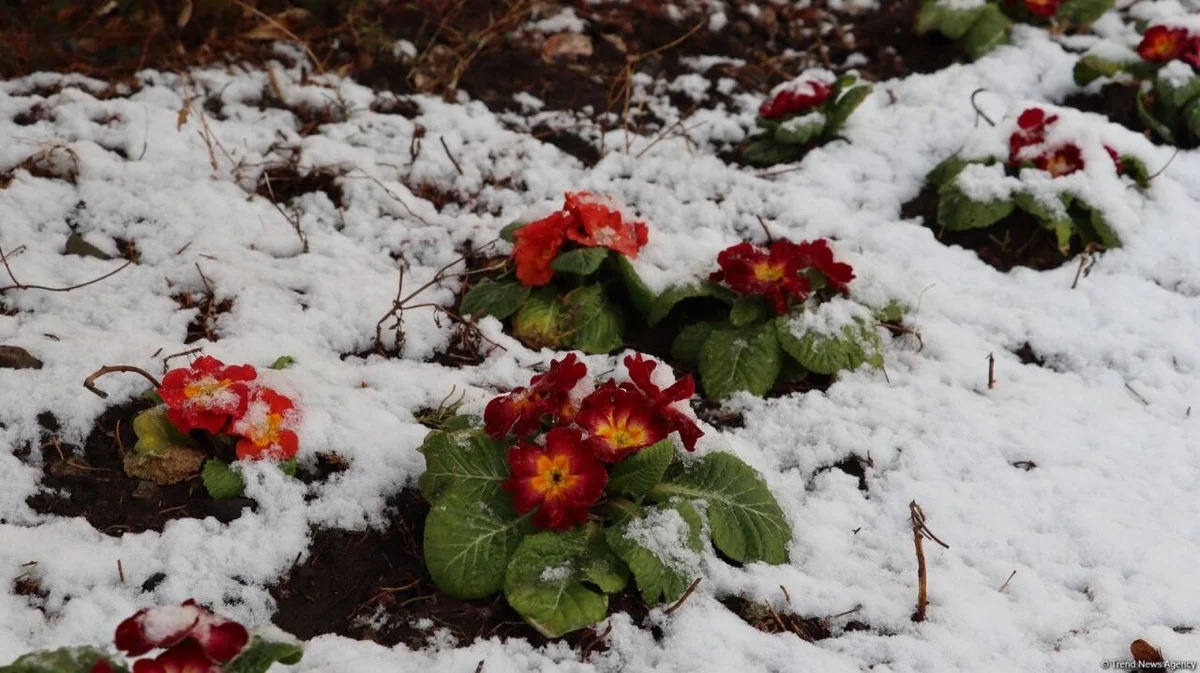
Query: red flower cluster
[[781, 272], [1163, 43], [794, 100], [1057, 161], [221, 399], [566, 474], [194, 639], [586, 219]]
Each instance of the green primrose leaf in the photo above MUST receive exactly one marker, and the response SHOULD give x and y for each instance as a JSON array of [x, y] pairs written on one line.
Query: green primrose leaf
[[1185, 94], [843, 107], [662, 549], [508, 233], [221, 481], [690, 340], [261, 654], [63, 660], [283, 362], [638, 473], [828, 354], [797, 131], [1136, 169], [673, 295], [746, 522], [641, 295], [543, 321], [1092, 226], [949, 21], [499, 298], [1083, 12], [1092, 67], [769, 152], [469, 539], [989, 30], [470, 460], [734, 359], [1191, 116], [157, 434], [947, 170], [957, 211], [582, 261], [557, 580], [747, 309], [598, 324]]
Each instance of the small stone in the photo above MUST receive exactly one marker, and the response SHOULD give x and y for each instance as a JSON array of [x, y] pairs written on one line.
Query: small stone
[[566, 46], [15, 357], [147, 490]]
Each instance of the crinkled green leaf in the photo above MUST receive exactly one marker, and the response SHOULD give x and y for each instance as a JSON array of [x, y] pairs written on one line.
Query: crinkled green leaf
[[1083, 12], [469, 539], [641, 295], [661, 575], [1057, 220], [543, 321], [690, 340], [1191, 117], [157, 434], [858, 343], [892, 313], [989, 30], [747, 309], [1136, 169], [1181, 96], [500, 298], [841, 109], [261, 654], [769, 152], [582, 261], [283, 362], [734, 359], [745, 521], [957, 211], [221, 481], [598, 326], [545, 581], [673, 295], [1092, 226], [947, 170], [63, 660], [638, 473], [468, 459]]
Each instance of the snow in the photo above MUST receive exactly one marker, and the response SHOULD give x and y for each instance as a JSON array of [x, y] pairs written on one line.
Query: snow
[[664, 533], [555, 574], [830, 317], [1103, 532]]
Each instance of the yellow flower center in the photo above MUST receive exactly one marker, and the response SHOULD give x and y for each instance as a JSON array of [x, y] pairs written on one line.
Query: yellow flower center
[[621, 434], [554, 476], [205, 388], [1058, 165], [768, 273], [267, 432]]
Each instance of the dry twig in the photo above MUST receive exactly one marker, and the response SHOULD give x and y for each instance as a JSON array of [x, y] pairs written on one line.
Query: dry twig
[[920, 533]]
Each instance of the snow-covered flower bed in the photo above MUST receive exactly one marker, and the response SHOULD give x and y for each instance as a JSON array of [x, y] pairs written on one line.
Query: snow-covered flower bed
[[429, 321]]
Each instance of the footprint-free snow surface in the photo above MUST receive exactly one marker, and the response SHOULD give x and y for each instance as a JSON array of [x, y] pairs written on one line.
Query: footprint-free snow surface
[[1080, 475]]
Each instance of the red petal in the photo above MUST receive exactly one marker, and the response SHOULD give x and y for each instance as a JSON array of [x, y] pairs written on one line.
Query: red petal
[[246, 449], [156, 627], [561, 377], [102, 666], [186, 657], [220, 639]]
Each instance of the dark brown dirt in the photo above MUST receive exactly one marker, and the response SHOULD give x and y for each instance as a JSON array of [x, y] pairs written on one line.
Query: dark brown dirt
[[765, 618], [204, 325], [388, 591], [1019, 240], [282, 183], [1028, 356], [93, 483], [853, 466], [1115, 101]]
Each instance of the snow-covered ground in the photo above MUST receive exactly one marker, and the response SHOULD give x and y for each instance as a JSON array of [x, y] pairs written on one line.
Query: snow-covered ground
[[1104, 533]]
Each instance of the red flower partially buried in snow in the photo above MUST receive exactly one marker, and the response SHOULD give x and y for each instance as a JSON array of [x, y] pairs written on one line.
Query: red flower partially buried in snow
[[662, 401], [267, 428], [1043, 8], [599, 222], [521, 412], [1062, 161], [795, 99], [1162, 43], [773, 273], [620, 421], [206, 395], [818, 255], [195, 640], [561, 479], [1031, 130]]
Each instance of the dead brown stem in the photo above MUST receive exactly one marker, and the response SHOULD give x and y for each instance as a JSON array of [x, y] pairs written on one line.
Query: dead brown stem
[[90, 382], [682, 599], [18, 285], [920, 533], [991, 358]]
